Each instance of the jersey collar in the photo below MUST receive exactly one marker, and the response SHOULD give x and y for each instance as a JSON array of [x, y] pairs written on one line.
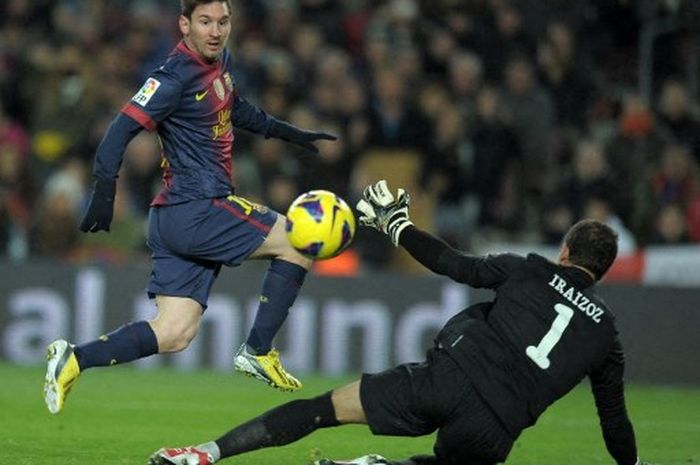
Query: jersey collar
[[183, 48]]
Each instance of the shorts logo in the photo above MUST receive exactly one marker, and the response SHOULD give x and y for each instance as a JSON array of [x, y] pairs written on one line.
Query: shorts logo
[[200, 96], [247, 206], [148, 90]]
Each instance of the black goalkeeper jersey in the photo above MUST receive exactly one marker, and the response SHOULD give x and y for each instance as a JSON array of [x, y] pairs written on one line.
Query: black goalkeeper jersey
[[543, 333]]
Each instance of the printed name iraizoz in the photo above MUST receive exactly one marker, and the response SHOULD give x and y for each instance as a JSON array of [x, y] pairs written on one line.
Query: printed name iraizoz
[[580, 301]]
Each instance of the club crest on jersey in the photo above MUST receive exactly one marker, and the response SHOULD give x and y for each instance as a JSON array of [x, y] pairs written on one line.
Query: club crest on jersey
[[228, 81], [148, 90], [219, 88]]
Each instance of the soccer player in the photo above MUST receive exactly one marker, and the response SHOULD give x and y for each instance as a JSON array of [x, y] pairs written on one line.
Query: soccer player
[[197, 223], [494, 369]]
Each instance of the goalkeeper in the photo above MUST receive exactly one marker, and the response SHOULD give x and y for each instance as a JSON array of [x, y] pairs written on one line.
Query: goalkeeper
[[494, 369]]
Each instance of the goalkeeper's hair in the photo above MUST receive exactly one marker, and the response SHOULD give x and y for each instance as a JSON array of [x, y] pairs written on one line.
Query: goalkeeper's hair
[[592, 245], [188, 6]]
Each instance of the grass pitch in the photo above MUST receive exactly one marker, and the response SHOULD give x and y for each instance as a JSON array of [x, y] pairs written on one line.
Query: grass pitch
[[118, 416]]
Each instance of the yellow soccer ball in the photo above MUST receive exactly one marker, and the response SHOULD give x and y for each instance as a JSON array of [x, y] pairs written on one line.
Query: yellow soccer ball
[[320, 224]]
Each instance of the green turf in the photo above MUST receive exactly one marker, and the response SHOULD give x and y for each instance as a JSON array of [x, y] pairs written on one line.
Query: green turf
[[118, 416]]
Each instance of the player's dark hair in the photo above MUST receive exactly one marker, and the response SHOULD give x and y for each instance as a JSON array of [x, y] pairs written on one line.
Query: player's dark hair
[[592, 245], [188, 6]]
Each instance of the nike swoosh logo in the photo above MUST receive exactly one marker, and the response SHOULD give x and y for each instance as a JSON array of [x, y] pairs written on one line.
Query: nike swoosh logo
[[199, 97], [336, 209]]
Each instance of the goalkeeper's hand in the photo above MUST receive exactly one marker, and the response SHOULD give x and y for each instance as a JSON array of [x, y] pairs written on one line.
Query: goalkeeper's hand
[[100, 210], [381, 211]]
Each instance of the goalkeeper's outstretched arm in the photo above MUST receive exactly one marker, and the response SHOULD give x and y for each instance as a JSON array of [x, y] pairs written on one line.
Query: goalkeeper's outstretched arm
[[387, 213]]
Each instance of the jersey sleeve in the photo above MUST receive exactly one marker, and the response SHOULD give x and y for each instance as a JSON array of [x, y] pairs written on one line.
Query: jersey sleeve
[[110, 152], [248, 116], [608, 391], [158, 97], [477, 271]]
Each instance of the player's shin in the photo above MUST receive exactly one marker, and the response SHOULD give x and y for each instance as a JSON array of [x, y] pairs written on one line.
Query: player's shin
[[279, 426], [279, 291], [125, 344]]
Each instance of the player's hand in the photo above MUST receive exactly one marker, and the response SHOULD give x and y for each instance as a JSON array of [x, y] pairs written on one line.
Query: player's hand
[[384, 212], [301, 137], [100, 210]]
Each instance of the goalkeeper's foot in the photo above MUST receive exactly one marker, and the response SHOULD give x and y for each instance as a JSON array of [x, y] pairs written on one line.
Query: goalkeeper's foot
[[371, 459], [61, 373], [266, 368], [180, 456]]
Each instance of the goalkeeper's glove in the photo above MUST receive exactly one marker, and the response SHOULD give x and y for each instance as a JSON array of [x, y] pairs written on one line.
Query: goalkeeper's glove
[[302, 137], [381, 211], [100, 210]]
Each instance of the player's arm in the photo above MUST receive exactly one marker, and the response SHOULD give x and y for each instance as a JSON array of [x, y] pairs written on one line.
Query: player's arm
[[609, 393], [252, 118], [158, 97], [385, 213], [108, 160]]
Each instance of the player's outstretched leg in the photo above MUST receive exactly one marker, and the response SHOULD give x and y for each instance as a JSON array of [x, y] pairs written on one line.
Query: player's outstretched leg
[[66, 361], [266, 367], [61, 373], [257, 357]]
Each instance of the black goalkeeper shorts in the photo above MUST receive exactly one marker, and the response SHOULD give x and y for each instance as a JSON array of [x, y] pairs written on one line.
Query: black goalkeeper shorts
[[415, 399]]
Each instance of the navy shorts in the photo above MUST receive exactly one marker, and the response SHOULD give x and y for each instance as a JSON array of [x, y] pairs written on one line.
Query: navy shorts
[[192, 240], [416, 399]]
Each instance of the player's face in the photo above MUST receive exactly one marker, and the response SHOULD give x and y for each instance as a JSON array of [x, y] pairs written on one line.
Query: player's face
[[207, 31]]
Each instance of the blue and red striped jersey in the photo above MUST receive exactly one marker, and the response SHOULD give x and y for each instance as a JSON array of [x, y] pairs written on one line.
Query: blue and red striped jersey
[[192, 105]]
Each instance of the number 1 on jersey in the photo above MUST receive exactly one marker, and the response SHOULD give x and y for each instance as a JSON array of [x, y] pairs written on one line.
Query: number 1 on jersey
[[539, 353]]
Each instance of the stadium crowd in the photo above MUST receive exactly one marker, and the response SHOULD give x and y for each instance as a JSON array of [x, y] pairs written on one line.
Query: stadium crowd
[[512, 118]]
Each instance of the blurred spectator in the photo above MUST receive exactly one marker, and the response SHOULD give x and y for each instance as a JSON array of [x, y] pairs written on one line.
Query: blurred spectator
[[530, 113], [55, 234], [557, 218], [635, 148], [669, 226], [447, 177], [600, 209], [465, 78], [676, 115], [675, 181], [142, 171], [16, 190], [589, 179], [306, 44], [394, 120], [496, 174], [279, 21], [441, 47], [565, 75], [508, 39], [353, 114], [280, 192], [329, 169], [277, 171]]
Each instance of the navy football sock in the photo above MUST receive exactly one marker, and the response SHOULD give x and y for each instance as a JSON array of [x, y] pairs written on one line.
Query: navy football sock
[[130, 342], [279, 291]]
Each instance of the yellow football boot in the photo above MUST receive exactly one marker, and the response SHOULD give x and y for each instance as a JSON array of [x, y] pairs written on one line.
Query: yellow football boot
[[61, 373], [266, 368]]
